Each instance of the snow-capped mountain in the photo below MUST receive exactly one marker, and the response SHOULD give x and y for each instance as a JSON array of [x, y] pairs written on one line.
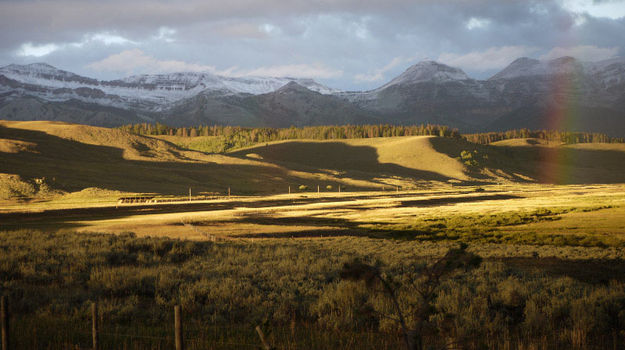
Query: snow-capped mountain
[[607, 72], [524, 94], [428, 71], [528, 93], [528, 67], [151, 93]]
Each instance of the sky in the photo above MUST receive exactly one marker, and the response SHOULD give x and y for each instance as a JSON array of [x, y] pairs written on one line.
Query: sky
[[345, 44]]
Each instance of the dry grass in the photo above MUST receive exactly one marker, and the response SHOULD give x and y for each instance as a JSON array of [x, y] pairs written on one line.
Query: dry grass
[[525, 142], [400, 155], [536, 238], [557, 215]]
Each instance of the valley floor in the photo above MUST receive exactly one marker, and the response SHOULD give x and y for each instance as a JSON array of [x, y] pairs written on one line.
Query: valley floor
[[589, 215]]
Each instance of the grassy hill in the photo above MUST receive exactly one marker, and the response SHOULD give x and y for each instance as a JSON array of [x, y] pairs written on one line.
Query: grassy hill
[[392, 157], [75, 157], [46, 158], [70, 157]]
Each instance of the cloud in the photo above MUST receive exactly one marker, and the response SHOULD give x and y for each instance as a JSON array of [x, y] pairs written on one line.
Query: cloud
[[135, 61], [477, 23], [378, 74], [489, 59], [582, 52], [244, 30], [29, 49], [105, 38], [316, 70], [349, 41], [613, 9], [165, 34]]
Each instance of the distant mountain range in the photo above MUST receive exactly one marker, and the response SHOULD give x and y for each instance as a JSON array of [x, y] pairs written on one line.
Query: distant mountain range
[[563, 93]]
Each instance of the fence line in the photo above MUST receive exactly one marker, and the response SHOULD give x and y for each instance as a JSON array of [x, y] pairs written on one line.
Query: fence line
[[95, 333], [178, 340]]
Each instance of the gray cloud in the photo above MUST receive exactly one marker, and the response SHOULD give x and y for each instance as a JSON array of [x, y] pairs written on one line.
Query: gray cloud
[[369, 41]]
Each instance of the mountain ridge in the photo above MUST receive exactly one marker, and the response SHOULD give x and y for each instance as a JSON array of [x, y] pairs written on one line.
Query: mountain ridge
[[522, 94]]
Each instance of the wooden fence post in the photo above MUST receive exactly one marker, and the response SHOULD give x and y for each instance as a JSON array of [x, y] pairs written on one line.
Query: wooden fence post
[[4, 319], [94, 326], [178, 327], [261, 335]]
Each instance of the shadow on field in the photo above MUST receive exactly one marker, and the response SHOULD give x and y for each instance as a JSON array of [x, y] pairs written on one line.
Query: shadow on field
[[328, 227], [72, 166], [303, 234], [553, 165], [355, 162], [62, 218], [590, 271], [432, 202]]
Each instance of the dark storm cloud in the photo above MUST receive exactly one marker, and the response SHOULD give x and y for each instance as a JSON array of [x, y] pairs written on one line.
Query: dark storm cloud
[[349, 43]]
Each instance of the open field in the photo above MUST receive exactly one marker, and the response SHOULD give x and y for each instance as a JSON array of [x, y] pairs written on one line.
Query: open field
[[530, 214], [548, 221]]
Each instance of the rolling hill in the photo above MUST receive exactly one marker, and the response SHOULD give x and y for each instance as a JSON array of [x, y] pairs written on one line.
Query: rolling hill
[[39, 159]]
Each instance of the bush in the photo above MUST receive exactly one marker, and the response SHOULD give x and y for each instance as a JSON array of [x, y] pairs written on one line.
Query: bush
[[345, 305], [303, 188]]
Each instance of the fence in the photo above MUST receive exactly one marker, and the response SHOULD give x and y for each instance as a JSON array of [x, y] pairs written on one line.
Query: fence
[[178, 339]]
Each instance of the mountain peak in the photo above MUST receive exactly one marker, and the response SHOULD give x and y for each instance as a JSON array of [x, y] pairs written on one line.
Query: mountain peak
[[564, 65], [39, 67], [292, 86], [527, 67], [428, 71]]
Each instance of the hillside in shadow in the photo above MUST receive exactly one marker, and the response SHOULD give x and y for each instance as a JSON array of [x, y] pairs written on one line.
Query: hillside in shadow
[[70, 165], [359, 162], [567, 164]]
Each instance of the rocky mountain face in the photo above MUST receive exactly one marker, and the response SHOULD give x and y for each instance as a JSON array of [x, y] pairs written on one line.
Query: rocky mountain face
[[560, 93], [430, 92]]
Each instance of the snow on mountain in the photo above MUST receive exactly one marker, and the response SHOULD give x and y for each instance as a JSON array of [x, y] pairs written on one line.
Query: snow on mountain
[[426, 92], [611, 69], [153, 92], [44, 75], [521, 67], [422, 72], [608, 72], [263, 85], [428, 71]]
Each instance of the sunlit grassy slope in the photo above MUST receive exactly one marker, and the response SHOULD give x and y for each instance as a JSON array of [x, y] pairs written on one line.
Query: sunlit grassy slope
[[74, 157], [69, 158], [414, 155]]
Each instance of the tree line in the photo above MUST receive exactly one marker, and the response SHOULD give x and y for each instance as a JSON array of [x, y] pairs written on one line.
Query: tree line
[[567, 137], [236, 136], [331, 132]]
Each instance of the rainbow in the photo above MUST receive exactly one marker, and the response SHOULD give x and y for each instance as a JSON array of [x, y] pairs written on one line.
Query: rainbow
[[562, 114]]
